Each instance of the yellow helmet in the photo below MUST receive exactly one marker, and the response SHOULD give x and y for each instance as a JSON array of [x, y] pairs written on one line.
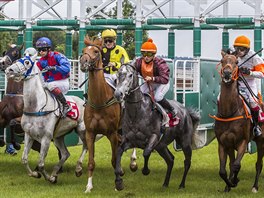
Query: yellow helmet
[[108, 33], [242, 41]]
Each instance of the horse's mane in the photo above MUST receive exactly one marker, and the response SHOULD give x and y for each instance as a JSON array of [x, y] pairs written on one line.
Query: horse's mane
[[95, 40]]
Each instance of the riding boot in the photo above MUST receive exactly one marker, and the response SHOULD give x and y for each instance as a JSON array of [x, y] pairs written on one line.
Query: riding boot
[[59, 95], [256, 129], [165, 104]]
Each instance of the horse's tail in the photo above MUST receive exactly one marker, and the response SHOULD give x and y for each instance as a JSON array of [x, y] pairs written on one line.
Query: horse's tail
[[195, 115]]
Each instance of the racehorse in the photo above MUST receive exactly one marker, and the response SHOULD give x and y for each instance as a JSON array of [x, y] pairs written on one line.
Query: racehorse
[[233, 127], [41, 119], [141, 125], [11, 106], [102, 111]]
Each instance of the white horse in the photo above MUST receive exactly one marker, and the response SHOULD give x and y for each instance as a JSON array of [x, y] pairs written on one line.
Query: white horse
[[41, 119]]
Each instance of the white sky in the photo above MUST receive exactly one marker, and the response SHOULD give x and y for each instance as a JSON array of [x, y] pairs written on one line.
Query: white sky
[[211, 42]]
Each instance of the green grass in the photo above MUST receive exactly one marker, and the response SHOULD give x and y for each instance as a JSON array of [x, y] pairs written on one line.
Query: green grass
[[202, 181]]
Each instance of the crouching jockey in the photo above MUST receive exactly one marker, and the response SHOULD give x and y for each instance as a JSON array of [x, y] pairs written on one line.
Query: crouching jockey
[[56, 79], [155, 72], [250, 70]]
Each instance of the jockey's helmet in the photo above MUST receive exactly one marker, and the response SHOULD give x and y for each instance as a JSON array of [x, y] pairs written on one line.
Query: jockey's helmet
[[43, 42], [242, 41], [149, 46], [109, 33]]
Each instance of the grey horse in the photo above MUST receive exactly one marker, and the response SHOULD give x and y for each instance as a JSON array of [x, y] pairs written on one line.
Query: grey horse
[[141, 124]]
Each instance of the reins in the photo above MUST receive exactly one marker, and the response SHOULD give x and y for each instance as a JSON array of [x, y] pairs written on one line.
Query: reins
[[247, 116]]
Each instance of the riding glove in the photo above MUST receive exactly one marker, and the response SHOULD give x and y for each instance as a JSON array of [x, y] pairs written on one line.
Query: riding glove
[[245, 70], [113, 65], [50, 68]]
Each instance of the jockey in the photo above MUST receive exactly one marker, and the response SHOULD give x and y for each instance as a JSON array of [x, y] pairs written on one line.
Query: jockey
[[58, 71], [112, 55], [251, 69], [155, 72]]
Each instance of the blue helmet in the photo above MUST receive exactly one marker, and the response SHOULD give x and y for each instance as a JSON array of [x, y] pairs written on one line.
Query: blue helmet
[[43, 42]]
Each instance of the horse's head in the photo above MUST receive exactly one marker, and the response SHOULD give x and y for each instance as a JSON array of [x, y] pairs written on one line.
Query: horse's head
[[229, 69], [10, 56], [127, 81], [91, 59], [18, 70]]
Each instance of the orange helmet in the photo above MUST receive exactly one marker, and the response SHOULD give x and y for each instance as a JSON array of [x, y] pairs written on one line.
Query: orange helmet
[[149, 46], [242, 41]]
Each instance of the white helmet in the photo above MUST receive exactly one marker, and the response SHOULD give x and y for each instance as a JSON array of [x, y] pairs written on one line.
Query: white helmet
[[32, 53]]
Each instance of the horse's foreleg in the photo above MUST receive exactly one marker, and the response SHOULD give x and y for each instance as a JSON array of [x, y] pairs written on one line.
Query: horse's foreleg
[[28, 141], [222, 172], [90, 137], [45, 144], [114, 140], [118, 170], [64, 155], [145, 170], [259, 165], [153, 140], [133, 163], [237, 163]]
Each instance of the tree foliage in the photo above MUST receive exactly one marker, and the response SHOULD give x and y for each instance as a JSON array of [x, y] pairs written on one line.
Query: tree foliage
[[7, 38]]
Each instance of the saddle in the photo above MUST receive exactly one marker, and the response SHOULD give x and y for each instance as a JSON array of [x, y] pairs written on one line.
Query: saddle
[[167, 120]]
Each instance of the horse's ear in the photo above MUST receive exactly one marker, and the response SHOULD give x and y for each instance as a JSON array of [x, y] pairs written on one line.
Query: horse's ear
[[21, 47], [98, 42], [87, 40], [223, 53]]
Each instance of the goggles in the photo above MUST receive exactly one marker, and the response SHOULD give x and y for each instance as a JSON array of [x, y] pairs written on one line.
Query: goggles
[[43, 49], [148, 54], [242, 49], [108, 41]]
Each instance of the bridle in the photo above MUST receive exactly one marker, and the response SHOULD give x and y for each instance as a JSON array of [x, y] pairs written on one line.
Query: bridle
[[91, 64]]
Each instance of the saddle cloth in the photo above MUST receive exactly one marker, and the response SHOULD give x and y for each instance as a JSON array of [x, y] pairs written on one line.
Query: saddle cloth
[[74, 113], [167, 119]]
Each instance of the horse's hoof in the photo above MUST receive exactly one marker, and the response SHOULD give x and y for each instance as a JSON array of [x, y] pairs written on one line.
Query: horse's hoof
[[53, 179], [133, 167], [254, 190], [35, 174], [16, 145], [119, 185], [180, 186], [78, 173], [88, 189], [145, 171], [227, 189]]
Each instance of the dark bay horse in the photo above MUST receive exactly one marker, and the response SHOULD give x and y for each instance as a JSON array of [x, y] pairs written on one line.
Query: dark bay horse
[[233, 127], [141, 126], [102, 111], [11, 106]]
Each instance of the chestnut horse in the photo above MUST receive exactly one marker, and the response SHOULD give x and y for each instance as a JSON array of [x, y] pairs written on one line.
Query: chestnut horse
[[233, 127], [102, 112], [11, 106]]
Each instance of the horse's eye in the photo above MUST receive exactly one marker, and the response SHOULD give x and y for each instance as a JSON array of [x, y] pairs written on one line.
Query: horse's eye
[[130, 75]]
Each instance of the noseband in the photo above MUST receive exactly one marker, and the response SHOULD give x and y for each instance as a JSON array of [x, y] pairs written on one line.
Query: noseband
[[91, 64]]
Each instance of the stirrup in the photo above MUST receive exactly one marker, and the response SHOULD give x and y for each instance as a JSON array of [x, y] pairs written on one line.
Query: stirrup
[[173, 114], [65, 110], [257, 131]]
